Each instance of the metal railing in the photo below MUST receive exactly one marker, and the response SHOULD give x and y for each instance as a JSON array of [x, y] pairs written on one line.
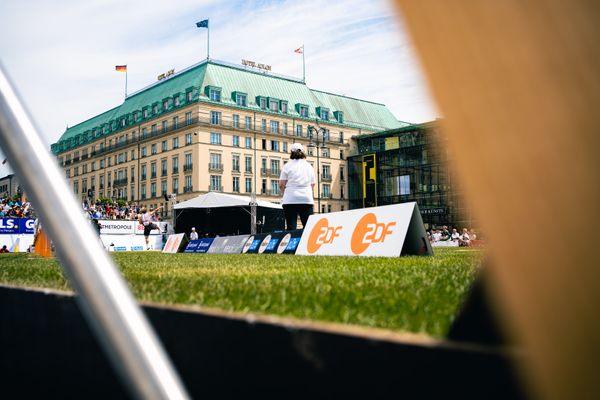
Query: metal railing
[[104, 298], [214, 167]]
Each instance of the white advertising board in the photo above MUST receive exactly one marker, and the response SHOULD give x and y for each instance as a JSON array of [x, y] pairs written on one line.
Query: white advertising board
[[130, 242], [20, 243], [120, 227], [175, 243], [386, 231]]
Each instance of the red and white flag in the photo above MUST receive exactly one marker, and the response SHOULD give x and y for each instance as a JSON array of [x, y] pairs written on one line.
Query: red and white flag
[[299, 50]]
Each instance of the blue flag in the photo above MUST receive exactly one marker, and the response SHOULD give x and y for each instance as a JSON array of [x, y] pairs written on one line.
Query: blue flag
[[202, 24]]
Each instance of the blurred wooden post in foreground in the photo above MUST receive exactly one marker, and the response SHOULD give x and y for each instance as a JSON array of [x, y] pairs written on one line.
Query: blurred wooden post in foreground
[[41, 244], [518, 86]]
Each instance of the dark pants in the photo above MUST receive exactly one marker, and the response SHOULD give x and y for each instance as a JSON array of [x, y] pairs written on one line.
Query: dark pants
[[292, 211]]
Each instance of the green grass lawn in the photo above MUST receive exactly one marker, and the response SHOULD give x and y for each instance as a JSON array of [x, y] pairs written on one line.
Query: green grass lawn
[[410, 294]]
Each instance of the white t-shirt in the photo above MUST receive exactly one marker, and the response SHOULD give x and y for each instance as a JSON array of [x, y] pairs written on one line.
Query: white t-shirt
[[300, 177]]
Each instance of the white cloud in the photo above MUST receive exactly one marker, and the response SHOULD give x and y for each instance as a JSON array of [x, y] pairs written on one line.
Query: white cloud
[[61, 54]]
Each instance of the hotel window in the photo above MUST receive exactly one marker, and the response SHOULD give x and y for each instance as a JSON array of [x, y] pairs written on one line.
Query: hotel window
[[175, 142], [341, 137], [275, 126], [153, 149], [285, 147], [153, 130], [248, 185], [342, 192], [76, 187], [303, 111], [285, 128], [164, 146], [263, 125], [123, 122], [236, 184], [176, 101], [248, 142], [215, 117], [215, 161], [324, 115], [101, 164], [68, 172], [274, 105], [275, 167], [155, 109], [175, 164], [163, 168], [298, 130], [264, 144], [153, 170], [188, 118], [241, 100], [143, 192], [235, 141], [188, 139], [188, 184], [235, 163], [326, 190], [341, 154], [143, 172], [188, 96], [215, 138], [248, 163], [325, 135], [144, 113], [235, 121], [132, 155], [325, 152], [326, 171], [262, 103], [274, 187], [144, 134], [153, 189], [339, 115], [274, 145], [163, 187], [248, 123], [165, 105], [214, 94], [175, 123], [342, 174], [188, 162], [263, 186], [284, 107], [175, 185], [215, 182]]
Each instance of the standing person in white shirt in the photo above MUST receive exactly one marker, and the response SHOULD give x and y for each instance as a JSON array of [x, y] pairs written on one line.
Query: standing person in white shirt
[[194, 234], [296, 182]]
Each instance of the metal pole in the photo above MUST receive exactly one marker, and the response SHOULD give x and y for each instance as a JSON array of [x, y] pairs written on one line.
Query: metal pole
[[104, 298]]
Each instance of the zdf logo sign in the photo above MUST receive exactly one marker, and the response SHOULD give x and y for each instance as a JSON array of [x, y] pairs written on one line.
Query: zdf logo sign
[[369, 231], [322, 234]]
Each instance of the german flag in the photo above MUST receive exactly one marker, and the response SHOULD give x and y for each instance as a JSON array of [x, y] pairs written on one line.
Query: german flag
[[121, 68]]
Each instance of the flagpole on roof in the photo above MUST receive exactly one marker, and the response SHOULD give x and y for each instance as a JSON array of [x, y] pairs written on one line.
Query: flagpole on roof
[[303, 66], [205, 24]]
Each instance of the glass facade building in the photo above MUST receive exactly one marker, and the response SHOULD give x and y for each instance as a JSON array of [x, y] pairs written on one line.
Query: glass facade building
[[404, 165]]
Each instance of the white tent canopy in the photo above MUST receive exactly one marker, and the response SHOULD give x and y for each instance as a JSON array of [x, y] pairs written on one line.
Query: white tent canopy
[[216, 199]]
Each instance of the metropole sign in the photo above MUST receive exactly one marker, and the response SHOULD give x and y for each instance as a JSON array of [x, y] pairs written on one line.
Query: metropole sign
[[386, 231]]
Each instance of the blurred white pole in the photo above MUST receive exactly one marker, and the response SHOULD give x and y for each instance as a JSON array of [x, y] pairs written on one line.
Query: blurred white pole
[[103, 296]]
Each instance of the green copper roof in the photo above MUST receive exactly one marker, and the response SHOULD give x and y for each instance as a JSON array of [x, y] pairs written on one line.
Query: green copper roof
[[230, 79]]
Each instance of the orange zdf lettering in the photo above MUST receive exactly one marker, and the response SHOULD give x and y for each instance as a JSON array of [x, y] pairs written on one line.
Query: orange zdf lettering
[[322, 234], [369, 231], [376, 233]]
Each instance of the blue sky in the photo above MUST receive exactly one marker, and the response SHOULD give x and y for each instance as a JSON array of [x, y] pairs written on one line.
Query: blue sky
[[61, 54]]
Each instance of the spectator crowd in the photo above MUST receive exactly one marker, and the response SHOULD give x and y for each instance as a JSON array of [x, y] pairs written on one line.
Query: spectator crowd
[[117, 211], [15, 208], [463, 238]]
